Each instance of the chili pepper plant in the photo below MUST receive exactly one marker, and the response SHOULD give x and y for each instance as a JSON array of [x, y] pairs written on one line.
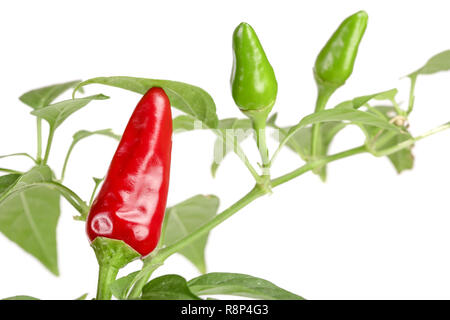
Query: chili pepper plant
[[126, 217]]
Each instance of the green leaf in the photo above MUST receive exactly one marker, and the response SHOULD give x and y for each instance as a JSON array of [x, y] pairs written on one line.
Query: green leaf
[[190, 99], [437, 63], [168, 287], [241, 285], [300, 142], [21, 298], [7, 182], [231, 132], [185, 218], [187, 123], [121, 286], [358, 102], [55, 114], [378, 140], [82, 297], [29, 213], [80, 135], [403, 159], [42, 97], [348, 115], [271, 121]]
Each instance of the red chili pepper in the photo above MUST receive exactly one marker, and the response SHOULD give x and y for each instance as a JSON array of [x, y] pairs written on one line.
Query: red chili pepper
[[131, 203]]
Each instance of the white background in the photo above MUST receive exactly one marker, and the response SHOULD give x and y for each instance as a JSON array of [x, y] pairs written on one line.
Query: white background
[[366, 233]]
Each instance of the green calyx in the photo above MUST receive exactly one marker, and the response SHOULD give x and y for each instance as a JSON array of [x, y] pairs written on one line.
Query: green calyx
[[335, 62], [112, 255], [253, 83], [113, 252]]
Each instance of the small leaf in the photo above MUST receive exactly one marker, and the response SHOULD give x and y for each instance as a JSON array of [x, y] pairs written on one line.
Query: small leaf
[[358, 102], [437, 63], [168, 287], [97, 181], [241, 285], [79, 135], [55, 114], [404, 159], [273, 118], [42, 97], [185, 218], [29, 213], [350, 115], [190, 99], [120, 287], [378, 140], [21, 298], [82, 297]]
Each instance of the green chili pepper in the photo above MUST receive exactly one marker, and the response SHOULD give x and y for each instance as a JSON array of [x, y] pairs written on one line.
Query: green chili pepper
[[253, 83], [334, 64]]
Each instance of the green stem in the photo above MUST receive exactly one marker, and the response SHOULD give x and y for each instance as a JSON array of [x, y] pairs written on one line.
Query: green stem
[[163, 254], [97, 184], [239, 152], [323, 95], [18, 154], [410, 142], [112, 255], [255, 193], [39, 139], [411, 93], [70, 196], [66, 160], [259, 124], [397, 108], [136, 291], [106, 275], [51, 133], [315, 164]]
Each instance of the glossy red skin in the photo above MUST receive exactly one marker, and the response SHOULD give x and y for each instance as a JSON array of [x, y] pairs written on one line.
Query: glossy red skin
[[131, 203]]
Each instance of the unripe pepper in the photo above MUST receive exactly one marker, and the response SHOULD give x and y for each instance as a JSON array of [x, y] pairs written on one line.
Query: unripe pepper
[[131, 203], [253, 83], [334, 64]]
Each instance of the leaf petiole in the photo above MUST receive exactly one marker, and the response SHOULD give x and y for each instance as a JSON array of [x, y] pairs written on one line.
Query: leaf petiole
[[413, 78], [51, 134], [10, 170]]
